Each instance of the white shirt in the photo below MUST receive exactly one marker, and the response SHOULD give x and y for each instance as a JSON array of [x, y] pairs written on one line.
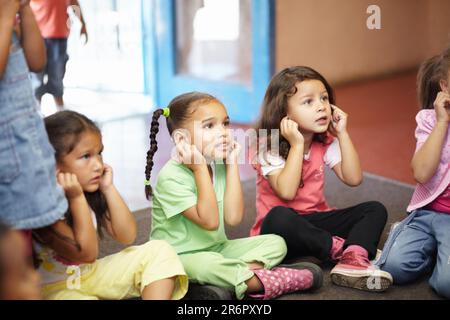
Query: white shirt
[[271, 162], [52, 268]]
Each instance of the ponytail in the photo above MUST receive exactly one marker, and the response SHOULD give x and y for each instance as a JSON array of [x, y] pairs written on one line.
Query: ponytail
[[151, 152]]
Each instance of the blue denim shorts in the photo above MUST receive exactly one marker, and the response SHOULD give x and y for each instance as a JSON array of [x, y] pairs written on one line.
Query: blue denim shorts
[[29, 194]]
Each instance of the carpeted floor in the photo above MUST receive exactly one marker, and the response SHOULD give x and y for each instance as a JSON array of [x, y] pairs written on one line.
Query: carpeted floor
[[395, 196]]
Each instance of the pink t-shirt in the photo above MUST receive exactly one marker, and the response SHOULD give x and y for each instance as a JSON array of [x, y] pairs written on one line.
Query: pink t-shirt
[[426, 193], [51, 17], [441, 203], [310, 197]]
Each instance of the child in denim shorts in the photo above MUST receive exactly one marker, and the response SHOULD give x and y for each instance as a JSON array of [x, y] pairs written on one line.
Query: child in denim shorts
[[29, 195]]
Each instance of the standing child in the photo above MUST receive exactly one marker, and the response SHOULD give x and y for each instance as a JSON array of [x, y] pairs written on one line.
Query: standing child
[[52, 18], [26, 156], [290, 199], [18, 280], [200, 191], [421, 242], [68, 249]]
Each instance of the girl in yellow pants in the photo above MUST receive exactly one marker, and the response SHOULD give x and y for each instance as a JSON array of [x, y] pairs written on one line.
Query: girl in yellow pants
[[122, 275], [68, 249]]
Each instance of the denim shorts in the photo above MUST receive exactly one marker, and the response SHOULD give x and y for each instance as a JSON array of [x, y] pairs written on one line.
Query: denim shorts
[[29, 194], [54, 70]]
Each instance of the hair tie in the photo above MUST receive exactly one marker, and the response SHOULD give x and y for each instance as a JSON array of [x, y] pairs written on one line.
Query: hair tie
[[166, 112], [146, 182]]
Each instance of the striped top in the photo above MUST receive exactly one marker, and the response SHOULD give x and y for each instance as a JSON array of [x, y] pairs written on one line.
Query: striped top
[[426, 193]]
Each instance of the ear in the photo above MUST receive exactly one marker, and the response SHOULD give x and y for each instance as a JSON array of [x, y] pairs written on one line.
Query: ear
[[443, 85], [178, 136]]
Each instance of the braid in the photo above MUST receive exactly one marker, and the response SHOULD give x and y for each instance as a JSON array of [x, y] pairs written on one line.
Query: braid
[[153, 148]]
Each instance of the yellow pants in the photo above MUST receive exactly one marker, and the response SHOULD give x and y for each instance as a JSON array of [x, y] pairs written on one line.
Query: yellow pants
[[125, 274]]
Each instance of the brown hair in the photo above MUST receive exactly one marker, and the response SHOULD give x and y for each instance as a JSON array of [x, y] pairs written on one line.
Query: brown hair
[[181, 107], [275, 103], [64, 130], [431, 72]]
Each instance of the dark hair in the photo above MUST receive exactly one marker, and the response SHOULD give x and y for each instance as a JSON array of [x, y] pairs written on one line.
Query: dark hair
[[431, 72], [275, 103], [64, 130], [181, 107]]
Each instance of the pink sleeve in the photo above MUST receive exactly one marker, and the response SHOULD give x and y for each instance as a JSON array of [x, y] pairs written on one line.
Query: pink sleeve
[[426, 120]]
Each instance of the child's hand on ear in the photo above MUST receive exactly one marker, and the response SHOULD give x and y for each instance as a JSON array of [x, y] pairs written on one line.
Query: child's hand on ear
[[338, 122], [442, 107], [70, 184], [106, 180], [233, 153], [189, 155], [289, 130]]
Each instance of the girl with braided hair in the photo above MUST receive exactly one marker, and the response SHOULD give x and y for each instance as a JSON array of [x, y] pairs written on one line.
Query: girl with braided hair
[[197, 192]]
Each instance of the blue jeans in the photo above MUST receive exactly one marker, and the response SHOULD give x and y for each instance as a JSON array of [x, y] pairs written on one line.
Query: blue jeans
[[55, 69], [419, 244], [29, 195]]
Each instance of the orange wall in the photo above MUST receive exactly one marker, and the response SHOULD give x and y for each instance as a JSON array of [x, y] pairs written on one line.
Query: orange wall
[[439, 25], [331, 36]]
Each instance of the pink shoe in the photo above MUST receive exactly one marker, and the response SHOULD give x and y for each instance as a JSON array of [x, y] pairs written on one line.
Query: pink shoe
[[337, 248], [355, 271], [288, 279]]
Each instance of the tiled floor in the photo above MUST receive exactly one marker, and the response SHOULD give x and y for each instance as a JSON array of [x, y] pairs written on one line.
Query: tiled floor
[[381, 122]]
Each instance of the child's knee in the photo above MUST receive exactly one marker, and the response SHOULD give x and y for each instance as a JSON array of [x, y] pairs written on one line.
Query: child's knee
[[401, 270], [278, 244], [155, 248], [159, 244], [273, 215], [275, 221], [378, 210]]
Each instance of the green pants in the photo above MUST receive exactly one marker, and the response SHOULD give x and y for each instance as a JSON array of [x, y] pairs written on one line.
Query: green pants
[[226, 265]]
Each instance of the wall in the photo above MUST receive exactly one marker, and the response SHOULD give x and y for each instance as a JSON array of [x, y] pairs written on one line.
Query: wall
[[331, 36], [438, 25]]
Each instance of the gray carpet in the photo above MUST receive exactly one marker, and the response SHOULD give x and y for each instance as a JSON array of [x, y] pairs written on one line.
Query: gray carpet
[[395, 196]]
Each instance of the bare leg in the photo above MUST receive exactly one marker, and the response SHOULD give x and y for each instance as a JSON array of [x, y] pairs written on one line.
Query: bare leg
[[159, 290], [59, 101], [253, 284]]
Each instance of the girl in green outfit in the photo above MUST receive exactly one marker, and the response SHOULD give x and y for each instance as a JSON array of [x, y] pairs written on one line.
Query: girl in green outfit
[[198, 191]]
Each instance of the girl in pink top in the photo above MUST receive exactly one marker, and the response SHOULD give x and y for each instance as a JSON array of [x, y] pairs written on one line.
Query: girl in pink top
[[290, 200], [422, 240]]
